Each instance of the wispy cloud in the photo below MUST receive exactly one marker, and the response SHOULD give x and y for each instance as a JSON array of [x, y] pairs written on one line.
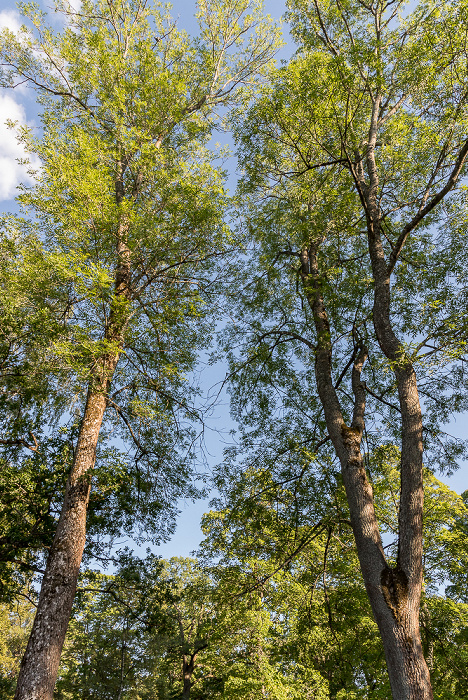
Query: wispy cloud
[[11, 20], [12, 172]]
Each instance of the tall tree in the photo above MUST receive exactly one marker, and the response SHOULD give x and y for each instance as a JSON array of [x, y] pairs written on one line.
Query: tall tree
[[354, 160], [130, 209], [168, 629], [283, 530]]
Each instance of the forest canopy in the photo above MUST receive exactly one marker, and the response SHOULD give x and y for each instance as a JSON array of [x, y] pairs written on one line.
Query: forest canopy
[[329, 285]]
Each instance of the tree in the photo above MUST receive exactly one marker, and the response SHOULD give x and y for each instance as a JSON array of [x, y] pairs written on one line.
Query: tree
[[354, 161], [210, 646], [109, 649], [16, 618], [277, 537], [223, 646], [196, 619], [130, 209], [33, 303]]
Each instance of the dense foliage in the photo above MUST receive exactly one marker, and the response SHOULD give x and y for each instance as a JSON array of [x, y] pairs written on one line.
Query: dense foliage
[[337, 272]]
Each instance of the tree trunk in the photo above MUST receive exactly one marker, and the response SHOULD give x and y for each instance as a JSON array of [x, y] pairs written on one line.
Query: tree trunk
[[394, 594], [401, 587], [187, 672], [40, 663]]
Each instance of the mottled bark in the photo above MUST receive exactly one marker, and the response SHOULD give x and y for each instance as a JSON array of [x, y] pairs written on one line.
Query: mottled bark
[[401, 587], [39, 666], [394, 594], [41, 660]]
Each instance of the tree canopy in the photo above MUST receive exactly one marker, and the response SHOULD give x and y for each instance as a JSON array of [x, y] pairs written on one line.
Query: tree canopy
[[334, 559]]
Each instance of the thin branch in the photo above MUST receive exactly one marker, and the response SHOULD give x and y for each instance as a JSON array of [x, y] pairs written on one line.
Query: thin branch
[[382, 400], [450, 184], [21, 441]]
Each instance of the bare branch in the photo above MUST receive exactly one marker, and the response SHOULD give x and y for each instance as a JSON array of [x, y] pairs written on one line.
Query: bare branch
[[450, 184], [21, 441]]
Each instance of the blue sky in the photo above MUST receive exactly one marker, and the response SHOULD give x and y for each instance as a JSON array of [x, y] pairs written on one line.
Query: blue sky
[[19, 106]]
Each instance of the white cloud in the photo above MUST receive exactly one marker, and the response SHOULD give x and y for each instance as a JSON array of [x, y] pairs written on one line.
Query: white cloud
[[12, 172], [75, 5], [11, 20], [59, 19]]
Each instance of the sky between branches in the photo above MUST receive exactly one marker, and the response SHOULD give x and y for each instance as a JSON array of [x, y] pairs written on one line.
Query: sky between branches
[[20, 106]]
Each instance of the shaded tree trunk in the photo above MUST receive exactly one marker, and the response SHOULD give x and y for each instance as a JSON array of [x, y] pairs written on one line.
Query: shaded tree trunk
[[188, 667], [187, 684]]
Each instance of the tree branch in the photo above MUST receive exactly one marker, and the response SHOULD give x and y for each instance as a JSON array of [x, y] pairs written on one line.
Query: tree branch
[[450, 184], [21, 441]]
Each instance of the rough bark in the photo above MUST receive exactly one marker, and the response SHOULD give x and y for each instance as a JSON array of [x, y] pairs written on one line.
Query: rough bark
[[40, 663], [41, 660], [394, 594], [409, 674]]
